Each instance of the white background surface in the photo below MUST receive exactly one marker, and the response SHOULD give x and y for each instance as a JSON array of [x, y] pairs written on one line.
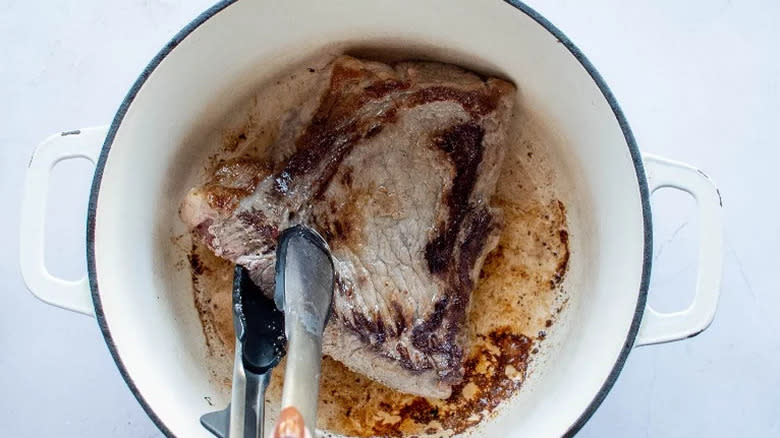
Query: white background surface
[[699, 81]]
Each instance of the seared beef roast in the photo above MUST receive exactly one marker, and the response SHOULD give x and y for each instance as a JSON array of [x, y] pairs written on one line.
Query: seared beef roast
[[395, 167]]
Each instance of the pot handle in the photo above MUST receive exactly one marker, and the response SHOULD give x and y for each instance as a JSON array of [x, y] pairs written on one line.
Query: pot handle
[[660, 327], [67, 294]]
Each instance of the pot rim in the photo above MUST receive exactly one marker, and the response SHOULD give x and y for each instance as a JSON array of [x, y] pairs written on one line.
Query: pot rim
[[636, 158]]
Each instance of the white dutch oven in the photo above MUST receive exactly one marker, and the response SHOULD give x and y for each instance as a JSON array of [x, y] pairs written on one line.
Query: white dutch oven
[[145, 159]]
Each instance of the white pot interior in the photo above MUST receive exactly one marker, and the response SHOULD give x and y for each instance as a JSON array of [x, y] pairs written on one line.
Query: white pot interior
[[146, 298]]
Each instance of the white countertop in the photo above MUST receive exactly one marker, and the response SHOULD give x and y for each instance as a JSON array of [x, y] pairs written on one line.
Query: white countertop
[[699, 81]]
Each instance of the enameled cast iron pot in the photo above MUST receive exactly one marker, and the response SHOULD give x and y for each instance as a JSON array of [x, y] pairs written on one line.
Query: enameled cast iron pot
[[144, 161]]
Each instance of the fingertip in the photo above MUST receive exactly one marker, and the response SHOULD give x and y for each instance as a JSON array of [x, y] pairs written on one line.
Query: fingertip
[[290, 424]]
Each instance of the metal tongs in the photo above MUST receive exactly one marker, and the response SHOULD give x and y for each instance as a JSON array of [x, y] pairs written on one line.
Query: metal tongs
[[304, 291]]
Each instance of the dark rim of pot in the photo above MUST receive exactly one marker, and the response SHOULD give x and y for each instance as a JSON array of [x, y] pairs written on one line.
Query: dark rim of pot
[[629, 137]]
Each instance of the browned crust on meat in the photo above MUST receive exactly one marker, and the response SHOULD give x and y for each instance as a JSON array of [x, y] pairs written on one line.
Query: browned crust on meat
[[228, 183], [330, 135], [454, 305], [463, 146], [256, 220]]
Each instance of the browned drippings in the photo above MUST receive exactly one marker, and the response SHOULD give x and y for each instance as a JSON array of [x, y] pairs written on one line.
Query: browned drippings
[[354, 405], [212, 282]]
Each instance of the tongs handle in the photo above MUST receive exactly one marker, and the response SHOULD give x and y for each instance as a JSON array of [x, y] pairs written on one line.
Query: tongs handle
[[304, 289], [302, 374], [244, 417], [247, 406]]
